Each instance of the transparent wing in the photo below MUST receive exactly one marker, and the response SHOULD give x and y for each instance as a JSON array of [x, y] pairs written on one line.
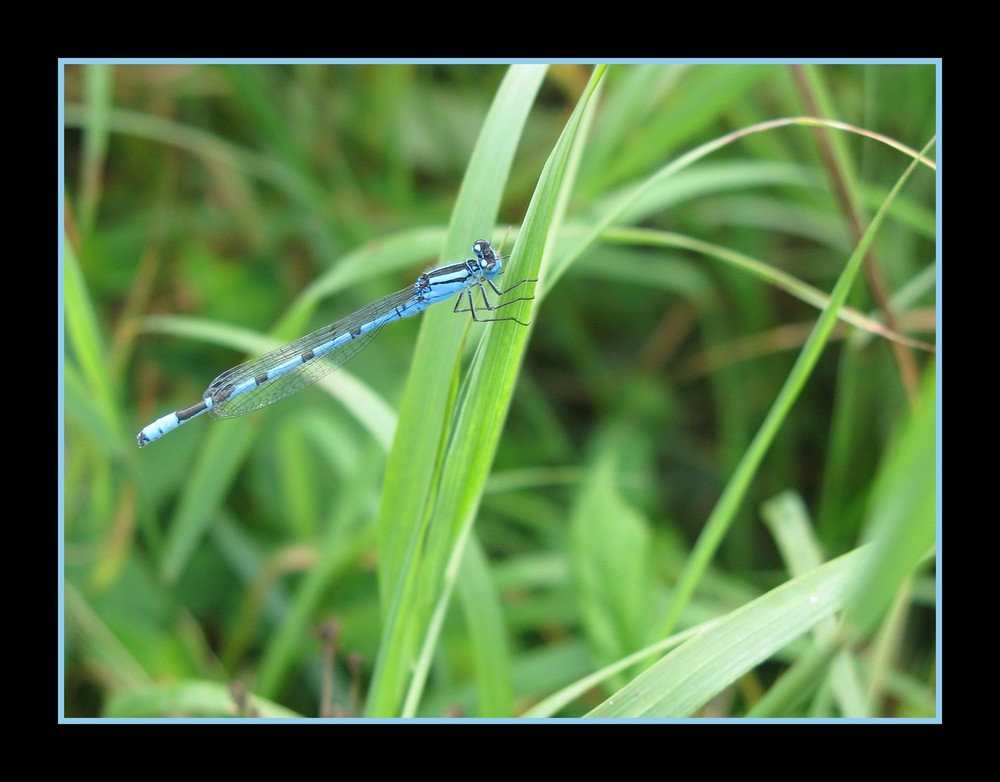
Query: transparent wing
[[268, 390]]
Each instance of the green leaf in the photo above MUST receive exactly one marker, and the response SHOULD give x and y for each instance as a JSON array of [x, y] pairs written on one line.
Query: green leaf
[[453, 492], [901, 524], [193, 698], [725, 510], [609, 555], [691, 675], [414, 468], [481, 606]]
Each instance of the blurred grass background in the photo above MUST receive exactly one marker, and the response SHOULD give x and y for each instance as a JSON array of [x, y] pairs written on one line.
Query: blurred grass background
[[207, 206]]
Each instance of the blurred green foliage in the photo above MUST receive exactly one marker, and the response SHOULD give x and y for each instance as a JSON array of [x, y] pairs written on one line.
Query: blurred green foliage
[[271, 199]]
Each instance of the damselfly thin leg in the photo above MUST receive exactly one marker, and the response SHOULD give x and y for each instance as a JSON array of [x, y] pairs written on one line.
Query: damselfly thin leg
[[472, 309]]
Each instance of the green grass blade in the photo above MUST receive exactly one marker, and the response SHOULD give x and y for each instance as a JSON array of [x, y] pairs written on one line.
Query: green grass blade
[[687, 678], [725, 510], [412, 472], [787, 518], [901, 521], [550, 705], [489, 386], [483, 612], [86, 341], [766, 273], [192, 699], [634, 195], [99, 78], [336, 550], [212, 474], [208, 147], [610, 559]]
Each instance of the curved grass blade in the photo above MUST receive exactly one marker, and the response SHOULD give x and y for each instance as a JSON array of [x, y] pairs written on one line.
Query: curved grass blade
[[725, 509], [691, 675], [412, 472], [486, 395]]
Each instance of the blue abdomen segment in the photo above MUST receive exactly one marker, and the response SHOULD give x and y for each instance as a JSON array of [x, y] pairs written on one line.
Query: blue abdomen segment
[[290, 368]]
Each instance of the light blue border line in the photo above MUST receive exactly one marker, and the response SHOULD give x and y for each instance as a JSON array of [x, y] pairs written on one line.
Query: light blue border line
[[938, 396], [498, 721], [60, 400], [499, 61], [61, 441]]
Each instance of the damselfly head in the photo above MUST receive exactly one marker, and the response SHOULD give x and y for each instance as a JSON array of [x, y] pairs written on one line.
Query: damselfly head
[[487, 256]]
